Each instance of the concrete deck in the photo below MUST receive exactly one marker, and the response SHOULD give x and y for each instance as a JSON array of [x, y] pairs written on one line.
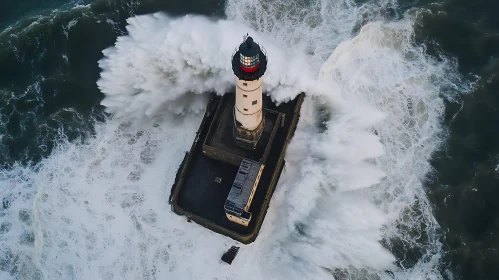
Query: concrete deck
[[197, 194]]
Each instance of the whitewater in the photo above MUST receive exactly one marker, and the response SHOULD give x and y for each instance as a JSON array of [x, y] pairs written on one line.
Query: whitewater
[[351, 189]]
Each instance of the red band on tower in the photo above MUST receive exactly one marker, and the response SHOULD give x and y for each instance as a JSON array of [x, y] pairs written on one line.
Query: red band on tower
[[249, 69]]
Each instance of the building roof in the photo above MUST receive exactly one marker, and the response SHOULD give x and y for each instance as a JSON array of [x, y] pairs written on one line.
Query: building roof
[[241, 188]]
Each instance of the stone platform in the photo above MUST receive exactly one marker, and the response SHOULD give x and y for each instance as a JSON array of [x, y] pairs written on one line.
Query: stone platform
[[203, 183]]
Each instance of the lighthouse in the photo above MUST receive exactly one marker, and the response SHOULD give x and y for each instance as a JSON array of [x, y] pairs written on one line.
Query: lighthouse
[[249, 63], [227, 179]]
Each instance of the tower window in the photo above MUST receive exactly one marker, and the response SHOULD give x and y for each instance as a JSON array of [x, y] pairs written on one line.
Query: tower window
[[245, 84], [244, 95], [254, 102], [245, 109]]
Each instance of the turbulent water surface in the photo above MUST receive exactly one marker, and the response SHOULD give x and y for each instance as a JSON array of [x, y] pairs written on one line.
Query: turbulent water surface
[[392, 172]]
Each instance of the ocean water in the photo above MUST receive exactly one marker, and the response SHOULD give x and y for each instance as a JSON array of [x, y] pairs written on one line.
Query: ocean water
[[391, 174]]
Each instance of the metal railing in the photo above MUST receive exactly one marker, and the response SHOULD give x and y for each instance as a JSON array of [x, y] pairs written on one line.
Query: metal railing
[[262, 49]]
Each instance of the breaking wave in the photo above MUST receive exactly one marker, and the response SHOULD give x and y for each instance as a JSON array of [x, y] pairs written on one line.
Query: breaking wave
[[170, 66], [352, 180]]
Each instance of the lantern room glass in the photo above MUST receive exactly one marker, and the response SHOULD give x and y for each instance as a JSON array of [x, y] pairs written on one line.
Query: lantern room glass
[[249, 61]]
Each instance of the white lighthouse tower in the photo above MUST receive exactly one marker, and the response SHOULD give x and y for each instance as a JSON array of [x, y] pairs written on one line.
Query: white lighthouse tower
[[249, 64]]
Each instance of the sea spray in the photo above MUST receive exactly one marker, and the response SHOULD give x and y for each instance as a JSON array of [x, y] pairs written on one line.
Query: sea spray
[[331, 169], [98, 208], [165, 64], [381, 66]]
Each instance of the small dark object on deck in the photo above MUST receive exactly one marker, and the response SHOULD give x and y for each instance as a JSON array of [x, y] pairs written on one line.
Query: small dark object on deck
[[230, 255]]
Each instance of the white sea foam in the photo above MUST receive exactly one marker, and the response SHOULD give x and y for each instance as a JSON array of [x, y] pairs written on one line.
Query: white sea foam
[[169, 68], [98, 209]]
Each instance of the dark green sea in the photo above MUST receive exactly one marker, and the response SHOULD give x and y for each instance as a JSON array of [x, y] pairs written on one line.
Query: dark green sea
[[393, 172]]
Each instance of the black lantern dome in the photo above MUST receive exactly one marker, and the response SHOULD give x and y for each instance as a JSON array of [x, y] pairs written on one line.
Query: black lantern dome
[[249, 61]]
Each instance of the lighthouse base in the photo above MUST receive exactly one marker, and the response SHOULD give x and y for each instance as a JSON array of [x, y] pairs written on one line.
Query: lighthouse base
[[245, 138], [220, 143]]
